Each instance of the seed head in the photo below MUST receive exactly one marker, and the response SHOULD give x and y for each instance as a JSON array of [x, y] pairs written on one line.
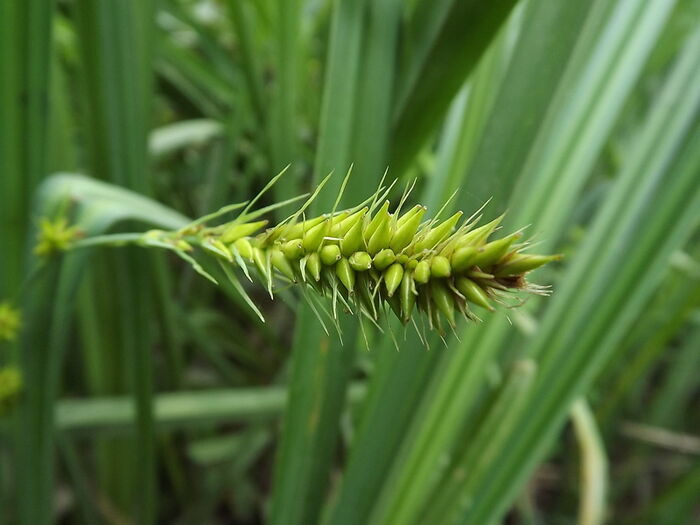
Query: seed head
[[55, 236], [368, 258]]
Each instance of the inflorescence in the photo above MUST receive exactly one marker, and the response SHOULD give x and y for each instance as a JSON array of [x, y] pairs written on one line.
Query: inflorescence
[[368, 258]]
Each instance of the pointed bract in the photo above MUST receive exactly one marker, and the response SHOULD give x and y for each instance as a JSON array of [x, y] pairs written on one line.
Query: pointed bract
[[436, 235], [473, 292], [313, 265]]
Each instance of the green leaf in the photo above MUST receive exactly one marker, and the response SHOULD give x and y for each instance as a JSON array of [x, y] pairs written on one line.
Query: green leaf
[[468, 26], [581, 328], [541, 52]]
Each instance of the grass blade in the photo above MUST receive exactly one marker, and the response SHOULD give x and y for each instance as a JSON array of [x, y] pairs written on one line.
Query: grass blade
[[667, 134], [284, 106], [547, 37], [117, 57], [469, 26], [454, 393]]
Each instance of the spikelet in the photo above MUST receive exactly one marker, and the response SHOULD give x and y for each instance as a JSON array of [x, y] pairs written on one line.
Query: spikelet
[[10, 322], [55, 236], [372, 260], [369, 259], [10, 387]]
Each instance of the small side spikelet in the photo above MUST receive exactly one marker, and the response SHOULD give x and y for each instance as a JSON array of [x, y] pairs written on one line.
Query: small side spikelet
[[10, 387], [368, 258], [55, 236], [10, 322]]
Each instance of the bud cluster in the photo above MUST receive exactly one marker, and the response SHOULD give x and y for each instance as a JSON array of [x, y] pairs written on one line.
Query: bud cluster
[[370, 257], [10, 387], [10, 322]]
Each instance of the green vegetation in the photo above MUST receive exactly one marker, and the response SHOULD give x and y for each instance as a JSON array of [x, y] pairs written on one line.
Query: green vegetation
[[145, 378]]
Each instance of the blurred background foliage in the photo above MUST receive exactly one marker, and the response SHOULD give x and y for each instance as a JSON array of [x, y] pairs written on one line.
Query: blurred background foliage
[[145, 394]]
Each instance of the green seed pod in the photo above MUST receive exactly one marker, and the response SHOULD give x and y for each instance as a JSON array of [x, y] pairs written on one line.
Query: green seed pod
[[352, 241], [473, 292], [260, 260], [314, 237], [236, 231], [422, 272], [406, 231], [475, 274], [479, 235], [346, 274], [392, 278], [338, 230], [383, 259], [409, 215], [491, 253], [381, 237], [411, 264], [313, 264], [244, 248], [442, 298], [293, 249], [296, 231], [223, 249], [381, 216], [330, 254], [438, 234], [335, 220], [281, 263], [463, 258], [183, 246], [407, 296], [520, 263], [360, 261], [440, 267], [217, 247], [450, 245]]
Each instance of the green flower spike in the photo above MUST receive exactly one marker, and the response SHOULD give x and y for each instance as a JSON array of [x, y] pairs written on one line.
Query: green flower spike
[[367, 258]]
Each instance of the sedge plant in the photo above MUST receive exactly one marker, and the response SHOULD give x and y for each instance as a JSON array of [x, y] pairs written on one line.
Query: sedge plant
[[369, 259], [552, 98]]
